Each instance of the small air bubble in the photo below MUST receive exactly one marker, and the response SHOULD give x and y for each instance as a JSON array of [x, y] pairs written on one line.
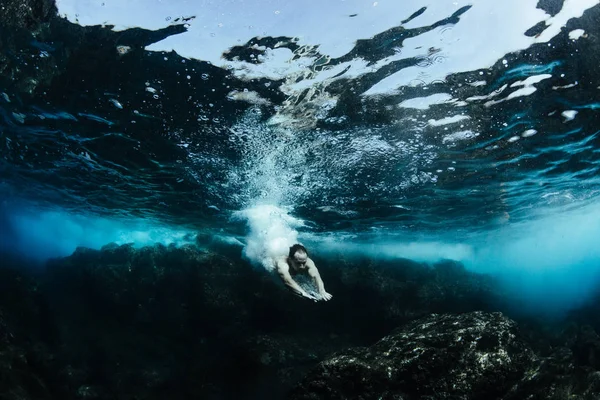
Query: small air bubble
[[116, 103]]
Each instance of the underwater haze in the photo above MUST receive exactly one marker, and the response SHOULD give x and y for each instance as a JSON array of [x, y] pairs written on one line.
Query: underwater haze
[[413, 130]]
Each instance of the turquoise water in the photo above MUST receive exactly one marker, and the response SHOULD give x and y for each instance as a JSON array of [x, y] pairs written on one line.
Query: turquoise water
[[451, 132]]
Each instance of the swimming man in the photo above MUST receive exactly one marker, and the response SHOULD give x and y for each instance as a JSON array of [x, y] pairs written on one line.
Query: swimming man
[[297, 262]]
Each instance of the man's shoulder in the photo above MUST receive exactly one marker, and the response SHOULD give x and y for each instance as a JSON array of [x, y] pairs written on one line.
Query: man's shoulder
[[281, 263]]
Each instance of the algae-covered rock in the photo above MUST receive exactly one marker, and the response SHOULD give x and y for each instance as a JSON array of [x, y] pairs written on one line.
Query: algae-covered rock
[[469, 356]]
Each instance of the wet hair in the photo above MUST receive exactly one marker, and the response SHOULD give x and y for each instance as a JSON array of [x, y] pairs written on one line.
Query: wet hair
[[295, 248]]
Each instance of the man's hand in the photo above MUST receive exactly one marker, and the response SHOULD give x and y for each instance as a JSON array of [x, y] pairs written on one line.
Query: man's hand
[[308, 296], [326, 296]]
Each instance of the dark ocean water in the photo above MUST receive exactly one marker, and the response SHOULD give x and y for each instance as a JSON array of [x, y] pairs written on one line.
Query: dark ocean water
[[467, 132]]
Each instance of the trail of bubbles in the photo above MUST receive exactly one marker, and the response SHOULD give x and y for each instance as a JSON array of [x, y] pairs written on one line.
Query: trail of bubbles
[[271, 159]]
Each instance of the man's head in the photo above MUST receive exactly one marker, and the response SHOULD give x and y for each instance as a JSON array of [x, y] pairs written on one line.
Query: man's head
[[298, 255]]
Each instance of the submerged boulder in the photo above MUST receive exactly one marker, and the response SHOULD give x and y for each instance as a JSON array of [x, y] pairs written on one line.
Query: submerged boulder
[[469, 356]]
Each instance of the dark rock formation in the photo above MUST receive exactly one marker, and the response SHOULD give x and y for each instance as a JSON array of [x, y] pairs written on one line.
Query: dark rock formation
[[28, 14], [188, 322], [381, 294], [18, 378], [469, 356]]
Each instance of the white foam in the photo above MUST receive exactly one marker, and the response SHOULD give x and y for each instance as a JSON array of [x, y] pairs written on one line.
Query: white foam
[[488, 96], [448, 120], [325, 28], [529, 133], [526, 91], [570, 85], [570, 9], [423, 103], [458, 136], [569, 115], [576, 34], [251, 97], [478, 83], [532, 80], [272, 232]]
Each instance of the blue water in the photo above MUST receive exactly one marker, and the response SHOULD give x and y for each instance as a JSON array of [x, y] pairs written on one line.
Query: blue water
[[454, 134]]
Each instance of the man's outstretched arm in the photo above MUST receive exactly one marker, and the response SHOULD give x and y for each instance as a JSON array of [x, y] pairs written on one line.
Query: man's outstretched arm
[[314, 273], [285, 276]]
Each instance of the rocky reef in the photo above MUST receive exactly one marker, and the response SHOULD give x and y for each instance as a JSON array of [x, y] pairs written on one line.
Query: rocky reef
[[189, 322], [468, 356]]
